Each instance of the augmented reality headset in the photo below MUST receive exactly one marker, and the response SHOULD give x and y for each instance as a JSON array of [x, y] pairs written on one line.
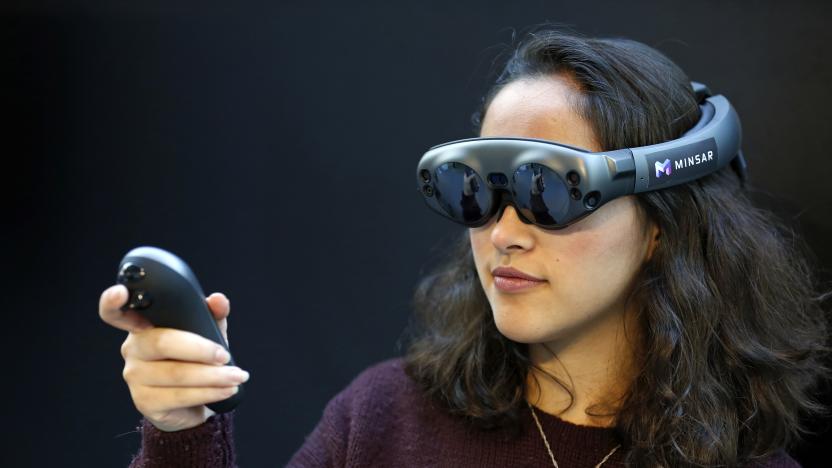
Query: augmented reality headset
[[553, 185]]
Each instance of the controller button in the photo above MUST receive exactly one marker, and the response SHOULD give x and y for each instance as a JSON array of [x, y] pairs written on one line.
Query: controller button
[[139, 300], [131, 273]]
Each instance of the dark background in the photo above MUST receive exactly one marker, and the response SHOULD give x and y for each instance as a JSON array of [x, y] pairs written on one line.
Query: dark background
[[272, 146]]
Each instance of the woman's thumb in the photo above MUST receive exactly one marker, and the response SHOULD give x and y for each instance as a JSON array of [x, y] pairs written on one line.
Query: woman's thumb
[[220, 307]]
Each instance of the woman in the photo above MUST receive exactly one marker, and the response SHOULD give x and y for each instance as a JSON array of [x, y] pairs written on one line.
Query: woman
[[677, 327]]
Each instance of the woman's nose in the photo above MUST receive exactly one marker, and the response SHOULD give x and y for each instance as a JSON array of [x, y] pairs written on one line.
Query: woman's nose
[[509, 231]]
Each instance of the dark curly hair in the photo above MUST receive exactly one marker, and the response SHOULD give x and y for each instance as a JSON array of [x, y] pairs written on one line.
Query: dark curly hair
[[734, 332]]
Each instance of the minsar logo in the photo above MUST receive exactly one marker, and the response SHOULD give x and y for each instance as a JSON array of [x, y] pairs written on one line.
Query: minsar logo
[[662, 168], [680, 164], [694, 160]]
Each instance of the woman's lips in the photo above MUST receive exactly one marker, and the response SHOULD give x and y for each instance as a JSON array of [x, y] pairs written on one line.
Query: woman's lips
[[510, 279], [511, 284]]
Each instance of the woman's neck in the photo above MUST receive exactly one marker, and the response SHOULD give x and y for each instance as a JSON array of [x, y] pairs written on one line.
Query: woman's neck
[[596, 362]]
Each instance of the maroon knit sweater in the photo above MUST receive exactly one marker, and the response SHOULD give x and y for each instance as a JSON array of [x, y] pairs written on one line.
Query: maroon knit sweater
[[381, 419]]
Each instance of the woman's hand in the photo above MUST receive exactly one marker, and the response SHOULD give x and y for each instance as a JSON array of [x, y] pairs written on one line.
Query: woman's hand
[[172, 373]]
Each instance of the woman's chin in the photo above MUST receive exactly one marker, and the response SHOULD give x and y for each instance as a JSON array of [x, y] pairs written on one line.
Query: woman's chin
[[521, 329]]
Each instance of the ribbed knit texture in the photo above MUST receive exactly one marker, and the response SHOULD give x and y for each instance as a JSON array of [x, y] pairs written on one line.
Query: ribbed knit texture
[[209, 444], [381, 419]]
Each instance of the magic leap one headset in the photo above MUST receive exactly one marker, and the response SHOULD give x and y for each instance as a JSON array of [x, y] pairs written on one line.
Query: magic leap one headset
[[553, 185]]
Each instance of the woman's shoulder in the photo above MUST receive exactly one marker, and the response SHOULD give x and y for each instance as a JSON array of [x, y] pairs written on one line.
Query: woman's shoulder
[[379, 413], [779, 459], [389, 371], [361, 421], [382, 384], [383, 397]]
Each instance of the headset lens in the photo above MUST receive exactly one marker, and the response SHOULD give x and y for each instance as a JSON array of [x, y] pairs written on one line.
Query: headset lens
[[540, 194], [461, 193]]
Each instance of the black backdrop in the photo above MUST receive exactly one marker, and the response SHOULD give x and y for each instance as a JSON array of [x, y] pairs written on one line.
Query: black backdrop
[[272, 145]]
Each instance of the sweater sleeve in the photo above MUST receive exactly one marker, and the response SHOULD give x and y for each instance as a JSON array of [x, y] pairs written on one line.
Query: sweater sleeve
[[210, 444]]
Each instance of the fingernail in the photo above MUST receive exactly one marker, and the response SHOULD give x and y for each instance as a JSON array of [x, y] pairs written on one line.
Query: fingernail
[[222, 356], [236, 389], [238, 375]]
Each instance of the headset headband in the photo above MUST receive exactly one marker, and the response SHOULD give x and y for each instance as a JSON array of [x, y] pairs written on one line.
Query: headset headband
[[709, 145], [578, 181]]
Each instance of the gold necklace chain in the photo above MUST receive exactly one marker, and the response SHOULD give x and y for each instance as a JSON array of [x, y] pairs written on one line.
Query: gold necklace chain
[[549, 449]]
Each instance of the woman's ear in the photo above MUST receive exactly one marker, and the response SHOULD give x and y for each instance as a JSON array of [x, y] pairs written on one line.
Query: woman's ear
[[653, 240]]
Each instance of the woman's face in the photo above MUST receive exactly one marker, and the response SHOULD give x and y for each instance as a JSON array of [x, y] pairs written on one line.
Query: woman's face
[[587, 267]]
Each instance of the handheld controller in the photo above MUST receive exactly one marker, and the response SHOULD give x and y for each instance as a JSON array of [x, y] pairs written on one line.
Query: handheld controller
[[164, 289]]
